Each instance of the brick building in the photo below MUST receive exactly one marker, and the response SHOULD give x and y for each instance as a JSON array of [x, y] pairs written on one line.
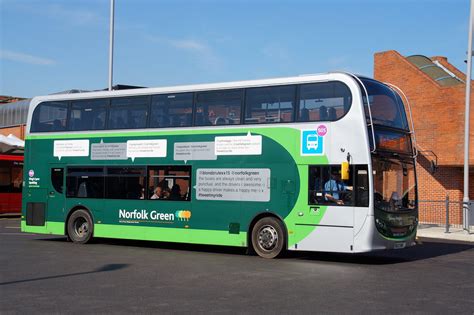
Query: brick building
[[13, 113], [436, 91]]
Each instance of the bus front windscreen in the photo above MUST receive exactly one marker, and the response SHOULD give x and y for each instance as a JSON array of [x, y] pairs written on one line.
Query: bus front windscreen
[[394, 185], [386, 106]]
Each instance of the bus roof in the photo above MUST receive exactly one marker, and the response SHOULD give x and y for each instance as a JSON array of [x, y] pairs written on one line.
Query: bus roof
[[196, 87]]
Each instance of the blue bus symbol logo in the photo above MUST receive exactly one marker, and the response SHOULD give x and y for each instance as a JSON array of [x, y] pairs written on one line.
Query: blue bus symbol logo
[[311, 143]]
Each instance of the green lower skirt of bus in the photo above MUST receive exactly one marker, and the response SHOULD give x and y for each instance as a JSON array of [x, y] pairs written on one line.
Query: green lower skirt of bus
[[55, 228], [194, 236]]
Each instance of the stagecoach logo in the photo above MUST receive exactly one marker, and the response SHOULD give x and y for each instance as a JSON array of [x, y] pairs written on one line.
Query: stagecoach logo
[[312, 141], [33, 182], [137, 216]]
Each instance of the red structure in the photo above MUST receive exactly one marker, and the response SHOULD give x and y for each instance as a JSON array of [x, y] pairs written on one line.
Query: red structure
[[11, 182], [436, 91]]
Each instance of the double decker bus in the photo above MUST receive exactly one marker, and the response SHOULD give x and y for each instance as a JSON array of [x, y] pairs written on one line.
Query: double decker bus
[[11, 183], [315, 163]]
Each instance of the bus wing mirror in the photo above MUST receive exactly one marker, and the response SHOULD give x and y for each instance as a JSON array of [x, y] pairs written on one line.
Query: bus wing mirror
[[345, 170]]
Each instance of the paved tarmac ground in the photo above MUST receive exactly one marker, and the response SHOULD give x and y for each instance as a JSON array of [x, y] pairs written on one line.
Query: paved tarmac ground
[[47, 274]]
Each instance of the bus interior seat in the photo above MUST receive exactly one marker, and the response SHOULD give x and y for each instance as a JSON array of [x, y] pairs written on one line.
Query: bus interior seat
[[199, 119], [188, 120], [175, 121], [304, 114], [82, 190], [323, 113], [57, 126], [120, 123], [332, 113], [221, 121], [98, 123], [164, 121]]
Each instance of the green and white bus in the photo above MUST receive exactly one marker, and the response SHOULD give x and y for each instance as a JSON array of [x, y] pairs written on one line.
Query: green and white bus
[[314, 163]]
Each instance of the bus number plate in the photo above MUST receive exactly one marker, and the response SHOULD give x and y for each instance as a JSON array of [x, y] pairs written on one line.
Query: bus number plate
[[399, 245]]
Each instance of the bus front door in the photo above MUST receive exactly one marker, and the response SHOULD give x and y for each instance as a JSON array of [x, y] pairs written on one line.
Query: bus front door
[[56, 192]]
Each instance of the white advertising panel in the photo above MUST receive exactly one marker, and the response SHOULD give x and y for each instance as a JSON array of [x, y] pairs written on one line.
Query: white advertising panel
[[236, 184], [146, 148], [188, 151], [239, 145], [70, 148]]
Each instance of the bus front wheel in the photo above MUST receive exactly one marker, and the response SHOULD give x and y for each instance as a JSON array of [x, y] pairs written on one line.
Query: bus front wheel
[[80, 226], [268, 237]]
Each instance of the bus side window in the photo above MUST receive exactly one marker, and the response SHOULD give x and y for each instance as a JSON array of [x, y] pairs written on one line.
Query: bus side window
[[270, 104], [171, 110], [5, 177], [88, 115], [362, 185], [218, 108], [125, 182], [169, 182], [323, 101], [85, 182], [128, 112], [325, 186], [57, 177]]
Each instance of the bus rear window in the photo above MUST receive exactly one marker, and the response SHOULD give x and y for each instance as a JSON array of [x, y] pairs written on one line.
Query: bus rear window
[[49, 116]]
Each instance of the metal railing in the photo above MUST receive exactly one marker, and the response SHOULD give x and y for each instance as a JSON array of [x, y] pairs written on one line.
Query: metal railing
[[445, 213]]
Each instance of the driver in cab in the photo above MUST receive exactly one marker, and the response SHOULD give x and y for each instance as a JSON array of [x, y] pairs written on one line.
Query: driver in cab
[[334, 187]]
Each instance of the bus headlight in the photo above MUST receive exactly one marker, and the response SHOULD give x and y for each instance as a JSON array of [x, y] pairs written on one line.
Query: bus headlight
[[380, 224]]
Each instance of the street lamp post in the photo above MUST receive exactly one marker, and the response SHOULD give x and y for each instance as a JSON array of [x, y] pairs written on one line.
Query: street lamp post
[[111, 43], [466, 123]]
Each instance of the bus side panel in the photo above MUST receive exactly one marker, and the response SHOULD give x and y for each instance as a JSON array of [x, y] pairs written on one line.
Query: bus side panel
[[326, 239]]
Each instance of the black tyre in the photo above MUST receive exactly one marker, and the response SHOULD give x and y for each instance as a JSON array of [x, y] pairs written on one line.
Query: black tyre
[[80, 227], [268, 237]]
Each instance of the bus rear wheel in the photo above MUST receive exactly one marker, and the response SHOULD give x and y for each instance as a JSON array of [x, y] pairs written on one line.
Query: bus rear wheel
[[80, 227], [268, 237]]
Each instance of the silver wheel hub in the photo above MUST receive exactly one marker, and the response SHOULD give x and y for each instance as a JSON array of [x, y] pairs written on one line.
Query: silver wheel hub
[[82, 227], [267, 237]]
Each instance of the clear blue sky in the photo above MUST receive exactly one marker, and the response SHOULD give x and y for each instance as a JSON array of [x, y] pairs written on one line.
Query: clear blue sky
[[49, 46]]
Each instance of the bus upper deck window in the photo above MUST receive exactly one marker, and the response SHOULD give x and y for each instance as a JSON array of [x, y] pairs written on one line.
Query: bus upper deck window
[[325, 101]]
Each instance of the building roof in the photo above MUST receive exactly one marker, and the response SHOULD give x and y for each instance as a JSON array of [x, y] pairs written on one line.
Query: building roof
[[435, 70], [9, 99], [14, 114], [14, 110]]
